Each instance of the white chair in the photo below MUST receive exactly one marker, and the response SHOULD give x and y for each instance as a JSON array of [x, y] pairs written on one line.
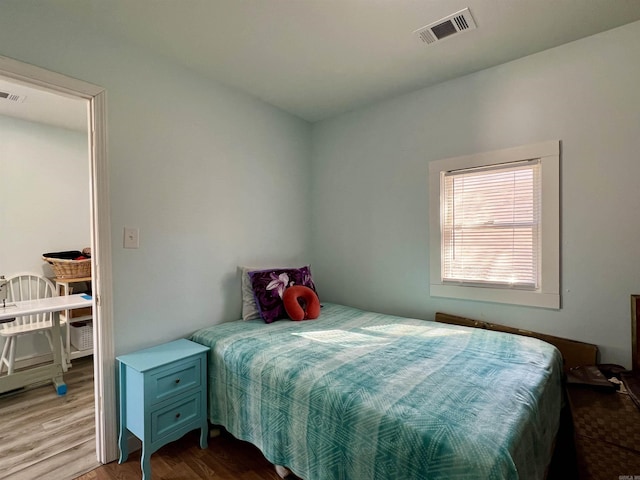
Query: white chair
[[26, 286]]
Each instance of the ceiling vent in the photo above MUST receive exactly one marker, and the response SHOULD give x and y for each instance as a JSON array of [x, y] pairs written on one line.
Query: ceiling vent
[[12, 97], [452, 25]]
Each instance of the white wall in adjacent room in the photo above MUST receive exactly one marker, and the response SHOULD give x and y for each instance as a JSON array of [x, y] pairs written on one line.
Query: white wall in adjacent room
[[44, 200]]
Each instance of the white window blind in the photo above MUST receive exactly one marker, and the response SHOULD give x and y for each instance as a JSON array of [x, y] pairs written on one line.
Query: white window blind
[[490, 225]]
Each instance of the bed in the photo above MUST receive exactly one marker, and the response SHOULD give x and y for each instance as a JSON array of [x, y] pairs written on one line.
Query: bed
[[361, 395]]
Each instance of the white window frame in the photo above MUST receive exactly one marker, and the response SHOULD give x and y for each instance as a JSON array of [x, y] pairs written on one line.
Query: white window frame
[[547, 294]]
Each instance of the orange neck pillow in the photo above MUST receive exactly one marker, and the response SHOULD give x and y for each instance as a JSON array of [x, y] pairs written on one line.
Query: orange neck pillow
[[301, 303]]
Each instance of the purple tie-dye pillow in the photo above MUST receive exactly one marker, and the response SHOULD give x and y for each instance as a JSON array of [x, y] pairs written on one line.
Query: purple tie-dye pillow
[[269, 285]]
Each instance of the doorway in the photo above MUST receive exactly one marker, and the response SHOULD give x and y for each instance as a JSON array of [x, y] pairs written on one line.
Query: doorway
[[100, 241]]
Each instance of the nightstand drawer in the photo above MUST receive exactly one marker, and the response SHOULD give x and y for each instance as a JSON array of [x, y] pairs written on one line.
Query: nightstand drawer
[[174, 416], [175, 380]]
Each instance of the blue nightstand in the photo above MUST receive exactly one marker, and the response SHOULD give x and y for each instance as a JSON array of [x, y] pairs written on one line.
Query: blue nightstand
[[163, 395]]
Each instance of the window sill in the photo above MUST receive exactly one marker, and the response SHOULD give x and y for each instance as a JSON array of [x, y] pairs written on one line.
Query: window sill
[[498, 295]]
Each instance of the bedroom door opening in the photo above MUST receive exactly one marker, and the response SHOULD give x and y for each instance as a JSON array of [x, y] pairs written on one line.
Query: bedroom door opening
[[100, 243]]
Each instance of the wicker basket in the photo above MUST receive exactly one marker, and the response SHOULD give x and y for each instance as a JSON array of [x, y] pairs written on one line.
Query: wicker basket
[[69, 268], [81, 334]]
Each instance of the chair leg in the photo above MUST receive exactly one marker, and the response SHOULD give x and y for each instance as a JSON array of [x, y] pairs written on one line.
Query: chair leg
[[4, 360], [47, 334], [12, 354]]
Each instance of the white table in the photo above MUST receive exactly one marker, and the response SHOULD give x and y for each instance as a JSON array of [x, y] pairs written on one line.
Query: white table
[[51, 371]]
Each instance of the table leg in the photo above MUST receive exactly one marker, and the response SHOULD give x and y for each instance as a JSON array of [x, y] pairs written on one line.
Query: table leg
[[145, 463], [58, 378], [203, 435], [122, 444], [122, 438]]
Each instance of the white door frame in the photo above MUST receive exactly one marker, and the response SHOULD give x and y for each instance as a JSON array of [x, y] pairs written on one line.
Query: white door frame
[[104, 351]]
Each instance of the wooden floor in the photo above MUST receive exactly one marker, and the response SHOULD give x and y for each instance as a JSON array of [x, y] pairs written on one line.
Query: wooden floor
[[50, 437], [44, 435], [229, 459], [53, 438], [225, 459]]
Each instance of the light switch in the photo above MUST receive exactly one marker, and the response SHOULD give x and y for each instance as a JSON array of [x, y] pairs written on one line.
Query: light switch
[[131, 237]]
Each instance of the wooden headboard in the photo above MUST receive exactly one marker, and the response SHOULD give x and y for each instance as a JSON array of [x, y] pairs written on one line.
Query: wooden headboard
[[573, 353]]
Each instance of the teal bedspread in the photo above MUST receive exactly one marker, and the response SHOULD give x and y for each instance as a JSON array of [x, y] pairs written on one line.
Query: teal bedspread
[[356, 395]]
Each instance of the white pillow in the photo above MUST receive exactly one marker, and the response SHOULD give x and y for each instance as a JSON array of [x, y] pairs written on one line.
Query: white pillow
[[249, 307]]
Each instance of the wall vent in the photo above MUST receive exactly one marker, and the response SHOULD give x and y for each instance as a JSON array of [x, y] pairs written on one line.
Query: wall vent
[[445, 27], [12, 97]]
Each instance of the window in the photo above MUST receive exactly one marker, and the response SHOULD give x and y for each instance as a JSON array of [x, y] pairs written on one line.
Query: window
[[489, 230], [494, 226]]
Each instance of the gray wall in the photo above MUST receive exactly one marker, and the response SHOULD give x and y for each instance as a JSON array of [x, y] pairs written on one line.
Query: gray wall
[[370, 197]]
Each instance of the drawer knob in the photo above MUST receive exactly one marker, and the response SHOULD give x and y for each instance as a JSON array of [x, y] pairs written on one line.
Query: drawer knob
[[177, 380], [177, 415]]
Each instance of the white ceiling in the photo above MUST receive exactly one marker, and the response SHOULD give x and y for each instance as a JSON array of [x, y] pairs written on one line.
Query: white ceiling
[[319, 58]]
